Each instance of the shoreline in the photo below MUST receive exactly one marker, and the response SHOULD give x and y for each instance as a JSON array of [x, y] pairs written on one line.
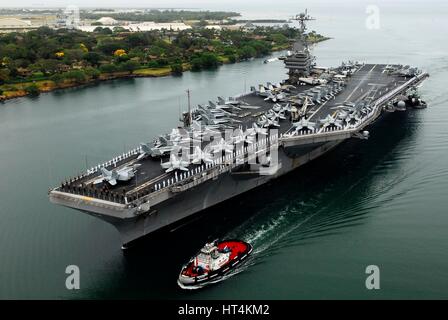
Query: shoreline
[[49, 85]]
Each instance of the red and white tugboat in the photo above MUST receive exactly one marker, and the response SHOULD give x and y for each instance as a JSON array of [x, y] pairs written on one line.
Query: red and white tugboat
[[213, 261]]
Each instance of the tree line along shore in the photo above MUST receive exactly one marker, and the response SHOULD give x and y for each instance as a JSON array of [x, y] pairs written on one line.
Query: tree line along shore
[[45, 59]]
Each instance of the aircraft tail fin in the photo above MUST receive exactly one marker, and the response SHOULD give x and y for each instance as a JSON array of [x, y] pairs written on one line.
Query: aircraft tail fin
[[105, 172], [155, 152], [163, 140], [145, 148]]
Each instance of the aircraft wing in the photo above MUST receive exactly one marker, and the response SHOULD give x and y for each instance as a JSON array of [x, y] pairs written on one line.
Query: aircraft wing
[[98, 180], [141, 156], [166, 165], [250, 107], [184, 163]]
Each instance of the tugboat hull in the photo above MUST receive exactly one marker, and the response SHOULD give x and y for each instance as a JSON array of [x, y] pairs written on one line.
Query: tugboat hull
[[190, 279]]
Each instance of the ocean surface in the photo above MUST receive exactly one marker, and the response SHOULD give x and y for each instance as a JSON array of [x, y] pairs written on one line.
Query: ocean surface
[[377, 202]]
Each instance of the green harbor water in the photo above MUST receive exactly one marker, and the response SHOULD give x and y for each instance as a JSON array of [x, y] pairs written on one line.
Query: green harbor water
[[377, 202]]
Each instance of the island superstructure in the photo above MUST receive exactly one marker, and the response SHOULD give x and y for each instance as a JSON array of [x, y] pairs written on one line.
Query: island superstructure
[[230, 146]]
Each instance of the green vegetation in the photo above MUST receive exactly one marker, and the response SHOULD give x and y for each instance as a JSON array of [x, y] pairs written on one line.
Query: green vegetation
[[206, 60], [163, 15], [32, 90], [177, 69], [46, 59]]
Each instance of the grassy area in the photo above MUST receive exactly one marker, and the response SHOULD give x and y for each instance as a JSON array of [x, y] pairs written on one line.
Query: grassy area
[[19, 89], [13, 90], [281, 47], [223, 59], [153, 72], [315, 38]]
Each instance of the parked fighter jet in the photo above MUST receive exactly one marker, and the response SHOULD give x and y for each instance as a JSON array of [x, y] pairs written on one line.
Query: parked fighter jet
[[163, 147], [242, 137], [351, 119], [403, 71], [282, 108], [329, 122], [222, 145], [312, 81], [145, 151], [262, 92], [199, 131], [274, 97], [223, 108], [271, 87], [213, 112], [200, 156], [179, 136], [256, 130], [288, 86], [359, 108], [175, 163], [211, 120], [212, 116], [125, 173], [410, 72], [249, 107], [266, 122], [280, 115], [303, 125], [232, 102]]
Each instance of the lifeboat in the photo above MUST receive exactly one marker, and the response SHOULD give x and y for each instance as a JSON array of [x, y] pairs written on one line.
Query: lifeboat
[[213, 262]]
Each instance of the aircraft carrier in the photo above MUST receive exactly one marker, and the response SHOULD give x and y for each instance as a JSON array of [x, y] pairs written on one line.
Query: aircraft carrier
[[230, 146]]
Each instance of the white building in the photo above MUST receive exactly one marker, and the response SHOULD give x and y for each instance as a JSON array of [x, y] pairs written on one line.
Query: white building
[[107, 21], [214, 27], [150, 25], [91, 28], [140, 27]]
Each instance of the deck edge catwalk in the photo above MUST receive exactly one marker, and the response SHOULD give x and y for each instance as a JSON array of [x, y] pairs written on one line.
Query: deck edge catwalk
[[274, 129]]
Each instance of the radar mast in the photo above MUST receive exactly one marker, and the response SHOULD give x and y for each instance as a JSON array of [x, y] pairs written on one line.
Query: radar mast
[[299, 63]]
